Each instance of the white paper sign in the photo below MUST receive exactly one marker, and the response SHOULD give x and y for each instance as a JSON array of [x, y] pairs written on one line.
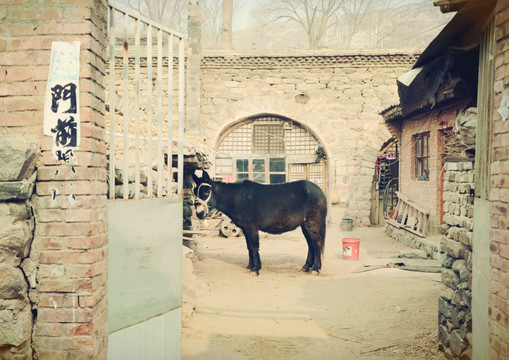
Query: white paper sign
[[61, 103]]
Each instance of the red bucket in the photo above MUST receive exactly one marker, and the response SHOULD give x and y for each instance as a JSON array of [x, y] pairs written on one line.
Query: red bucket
[[351, 248]]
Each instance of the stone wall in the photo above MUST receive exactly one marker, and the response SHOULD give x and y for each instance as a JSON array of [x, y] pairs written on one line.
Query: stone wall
[[17, 178], [454, 303], [337, 96]]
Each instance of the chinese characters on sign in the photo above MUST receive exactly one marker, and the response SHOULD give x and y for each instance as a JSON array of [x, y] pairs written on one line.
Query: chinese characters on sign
[[61, 104]]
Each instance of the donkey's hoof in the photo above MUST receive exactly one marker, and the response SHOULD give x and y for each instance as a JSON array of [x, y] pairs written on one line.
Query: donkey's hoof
[[255, 273], [304, 269], [315, 272]]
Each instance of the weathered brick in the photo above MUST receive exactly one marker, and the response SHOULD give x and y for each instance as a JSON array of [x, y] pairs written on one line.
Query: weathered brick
[[16, 119], [52, 28]]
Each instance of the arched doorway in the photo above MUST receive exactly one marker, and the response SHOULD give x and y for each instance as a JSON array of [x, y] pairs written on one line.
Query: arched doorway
[[270, 149]]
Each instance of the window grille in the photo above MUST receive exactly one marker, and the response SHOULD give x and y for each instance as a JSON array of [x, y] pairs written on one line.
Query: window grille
[[268, 138]]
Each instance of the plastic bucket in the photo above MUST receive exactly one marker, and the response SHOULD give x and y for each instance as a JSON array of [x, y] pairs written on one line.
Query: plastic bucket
[[351, 248], [346, 224]]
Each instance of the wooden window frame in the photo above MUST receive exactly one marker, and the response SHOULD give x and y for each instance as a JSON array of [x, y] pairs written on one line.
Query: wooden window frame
[[421, 156]]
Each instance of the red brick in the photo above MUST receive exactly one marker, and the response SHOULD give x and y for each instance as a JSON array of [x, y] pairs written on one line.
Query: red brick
[[26, 73], [29, 43], [88, 242], [90, 301], [65, 172], [21, 118], [84, 271], [51, 300], [17, 89], [498, 289], [16, 58], [72, 286], [52, 243], [504, 251], [32, 13], [23, 103], [81, 330], [52, 28], [19, 29], [50, 215], [72, 257], [78, 13]]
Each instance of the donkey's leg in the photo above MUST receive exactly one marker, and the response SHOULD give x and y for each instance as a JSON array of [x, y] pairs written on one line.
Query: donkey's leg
[[315, 229], [253, 243], [249, 251], [311, 257]]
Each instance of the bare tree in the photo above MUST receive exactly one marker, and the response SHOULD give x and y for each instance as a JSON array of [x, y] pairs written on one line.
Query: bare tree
[[171, 13], [354, 15], [213, 17], [211, 22], [316, 17]]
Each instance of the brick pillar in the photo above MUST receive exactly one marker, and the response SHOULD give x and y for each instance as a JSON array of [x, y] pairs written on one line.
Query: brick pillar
[[499, 194], [67, 266]]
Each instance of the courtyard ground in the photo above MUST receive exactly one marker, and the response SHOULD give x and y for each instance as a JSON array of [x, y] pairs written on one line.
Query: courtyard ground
[[343, 313]]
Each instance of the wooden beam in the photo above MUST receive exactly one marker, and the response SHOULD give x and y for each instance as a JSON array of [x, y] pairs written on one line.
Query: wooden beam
[[447, 6]]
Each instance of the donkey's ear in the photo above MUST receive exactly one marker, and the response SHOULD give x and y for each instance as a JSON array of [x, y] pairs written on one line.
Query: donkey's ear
[[196, 179], [205, 176]]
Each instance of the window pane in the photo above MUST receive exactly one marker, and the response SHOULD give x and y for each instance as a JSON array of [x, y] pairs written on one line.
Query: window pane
[[259, 177], [242, 176], [242, 165], [258, 165], [425, 145], [418, 167], [418, 147], [277, 165], [277, 178]]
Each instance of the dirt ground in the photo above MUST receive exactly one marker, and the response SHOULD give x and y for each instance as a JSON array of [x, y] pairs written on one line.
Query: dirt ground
[[387, 313]]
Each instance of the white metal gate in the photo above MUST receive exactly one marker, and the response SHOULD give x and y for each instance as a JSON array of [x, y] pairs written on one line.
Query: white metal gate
[[144, 96]]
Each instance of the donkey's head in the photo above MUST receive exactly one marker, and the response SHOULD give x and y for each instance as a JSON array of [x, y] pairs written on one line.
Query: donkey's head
[[203, 190]]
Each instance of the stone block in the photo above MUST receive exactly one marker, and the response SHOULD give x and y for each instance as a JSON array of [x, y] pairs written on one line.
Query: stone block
[[12, 283], [17, 159], [444, 307], [17, 190], [458, 317], [450, 278], [443, 335], [453, 248], [16, 232], [19, 329], [456, 343]]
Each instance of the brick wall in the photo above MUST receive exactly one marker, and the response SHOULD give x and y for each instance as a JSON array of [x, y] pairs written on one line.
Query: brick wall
[[426, 193], [69, 250], [499, 196]]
